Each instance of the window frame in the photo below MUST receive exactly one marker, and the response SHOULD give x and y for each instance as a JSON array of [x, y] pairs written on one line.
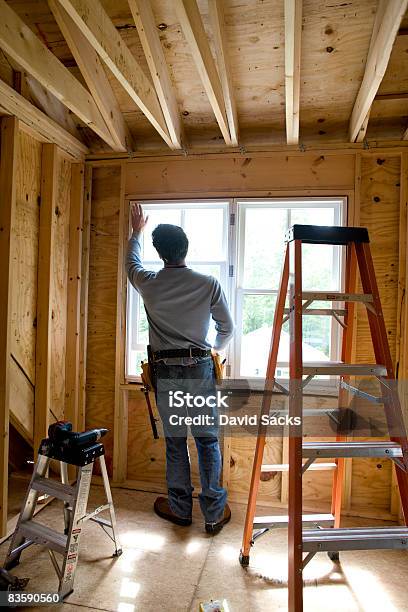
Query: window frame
[[234, 209], [185, 203], [244, 204]]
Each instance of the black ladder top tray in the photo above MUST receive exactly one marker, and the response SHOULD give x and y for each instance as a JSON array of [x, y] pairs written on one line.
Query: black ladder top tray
[[327, 234]]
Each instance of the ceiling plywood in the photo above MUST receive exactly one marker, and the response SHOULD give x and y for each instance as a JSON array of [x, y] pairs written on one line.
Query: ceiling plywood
[[335, 40]]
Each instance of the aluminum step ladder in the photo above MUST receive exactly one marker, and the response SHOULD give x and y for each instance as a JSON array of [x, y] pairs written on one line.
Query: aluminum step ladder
[[309, 534], [75, 498]]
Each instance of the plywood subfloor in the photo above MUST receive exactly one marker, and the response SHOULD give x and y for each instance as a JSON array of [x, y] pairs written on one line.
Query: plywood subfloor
[[164, 567]]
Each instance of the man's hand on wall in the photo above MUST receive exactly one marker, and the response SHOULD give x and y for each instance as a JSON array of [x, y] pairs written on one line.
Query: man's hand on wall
[[138, 219]]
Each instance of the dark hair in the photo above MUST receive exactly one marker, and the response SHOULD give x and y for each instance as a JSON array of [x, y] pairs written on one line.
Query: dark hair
[[170, 242]]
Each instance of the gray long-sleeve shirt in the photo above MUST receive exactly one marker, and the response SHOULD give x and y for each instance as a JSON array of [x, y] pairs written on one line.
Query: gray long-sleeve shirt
[[179, 303]]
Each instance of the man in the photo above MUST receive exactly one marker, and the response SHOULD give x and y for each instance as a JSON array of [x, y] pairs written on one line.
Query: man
[[179, 303]]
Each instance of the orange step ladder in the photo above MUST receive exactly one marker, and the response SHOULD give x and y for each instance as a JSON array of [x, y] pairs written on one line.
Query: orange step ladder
[[312, 533]]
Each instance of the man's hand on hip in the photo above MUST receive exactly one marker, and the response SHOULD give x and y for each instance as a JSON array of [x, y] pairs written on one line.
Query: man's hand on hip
[[138, 219]]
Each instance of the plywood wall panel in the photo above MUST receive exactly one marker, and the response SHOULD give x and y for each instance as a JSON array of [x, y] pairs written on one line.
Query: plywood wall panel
[[25, 259], [100, 370], [379, 211]]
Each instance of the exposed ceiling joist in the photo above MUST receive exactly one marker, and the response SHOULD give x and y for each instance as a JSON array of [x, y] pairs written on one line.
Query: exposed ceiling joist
[[32, 55], [221, 49], [37, 123], [377, 62], [193, 29], [293, 36], [98, 28], [378, 19], [149, 37], [95, 77]]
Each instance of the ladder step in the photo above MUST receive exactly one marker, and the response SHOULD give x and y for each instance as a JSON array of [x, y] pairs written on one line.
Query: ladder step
[[40, 534], [336, 296], [282, 521], [322, 312], [316, 540], [351, 449], [337, 368], [54, 488], [284, 467]]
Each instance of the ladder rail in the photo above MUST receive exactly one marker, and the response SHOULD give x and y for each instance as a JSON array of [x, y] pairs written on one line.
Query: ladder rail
[[269, 384]]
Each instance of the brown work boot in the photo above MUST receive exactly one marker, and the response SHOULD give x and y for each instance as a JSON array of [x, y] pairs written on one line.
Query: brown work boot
[[214, 528], [162, 509]]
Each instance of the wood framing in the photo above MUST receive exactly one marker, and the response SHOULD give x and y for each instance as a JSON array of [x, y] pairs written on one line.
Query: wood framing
[[8, 163], [44, 299], [83, 341], [378, 19], [293, 36], [73, 331], [149, 37], [121, 397], [97, 27], [27, 50], [95, 77], [193, 29], [377, 62], [37, 124], [216, 11]]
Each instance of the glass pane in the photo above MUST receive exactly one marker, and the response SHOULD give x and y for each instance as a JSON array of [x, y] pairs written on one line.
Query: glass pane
[[208, 269], [135, 357], [205, 230], [163, 215], [257, 320], [312, 216], [318, 259], [142, 326], [264, 243]]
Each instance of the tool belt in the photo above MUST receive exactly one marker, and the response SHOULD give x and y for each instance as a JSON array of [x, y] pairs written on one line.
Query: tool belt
[[190, 352]]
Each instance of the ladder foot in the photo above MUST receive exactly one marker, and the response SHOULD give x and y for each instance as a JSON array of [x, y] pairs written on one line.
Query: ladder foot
[[243, 559], [334, 556], [117, 552]]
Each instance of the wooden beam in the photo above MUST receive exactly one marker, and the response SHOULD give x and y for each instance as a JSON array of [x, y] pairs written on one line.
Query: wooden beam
[[377, 22], [8, 165], [37, 123], [120, 428], [49, 195], [99, 30], [216, 11], [28, 51], [193, 28], [293, 36], [83, 335], [72, 356], [392, 12], [149, 37], [95, 77]]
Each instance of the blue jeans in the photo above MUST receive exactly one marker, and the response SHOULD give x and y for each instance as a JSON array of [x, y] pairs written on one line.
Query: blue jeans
[[197, 380]]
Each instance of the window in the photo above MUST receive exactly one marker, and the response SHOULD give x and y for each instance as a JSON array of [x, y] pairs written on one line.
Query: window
[[241, 243], [206, 225], [260, 250]]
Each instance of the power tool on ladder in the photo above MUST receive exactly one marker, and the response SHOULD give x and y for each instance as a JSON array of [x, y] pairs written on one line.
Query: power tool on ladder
[[309, 534], [80, 449]]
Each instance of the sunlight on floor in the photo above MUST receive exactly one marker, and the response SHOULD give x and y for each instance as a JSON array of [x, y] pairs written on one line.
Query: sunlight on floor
[[143, 540], [193, 547]]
